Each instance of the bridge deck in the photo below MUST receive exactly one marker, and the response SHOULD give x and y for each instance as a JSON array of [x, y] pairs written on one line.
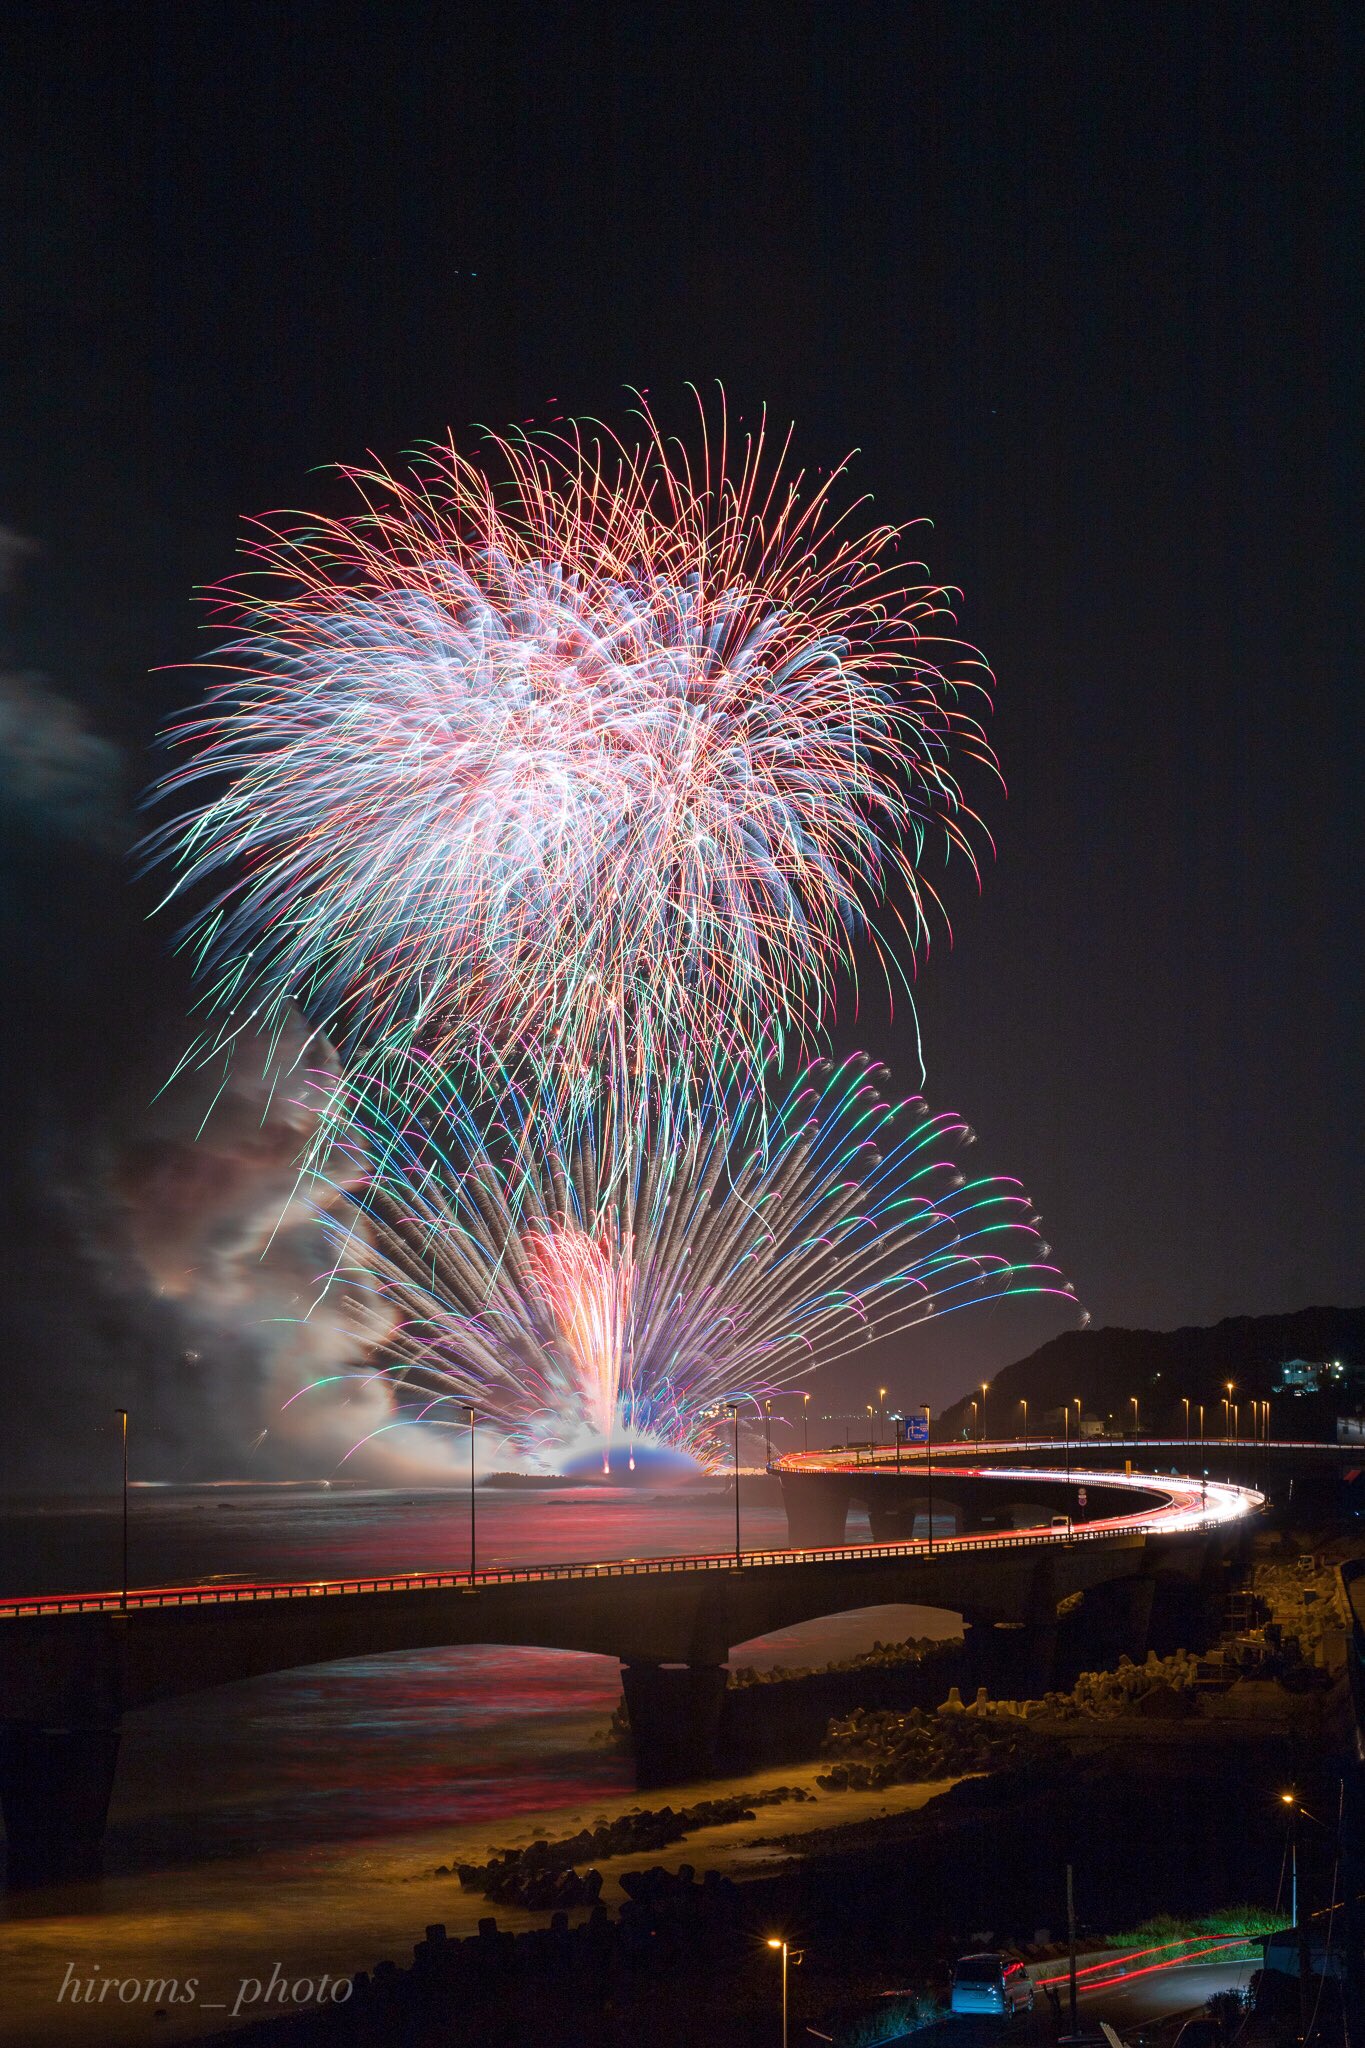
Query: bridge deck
[[1185, 1504]]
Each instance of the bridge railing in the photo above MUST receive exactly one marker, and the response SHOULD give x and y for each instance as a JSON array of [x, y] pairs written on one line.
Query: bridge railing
[[920, 1549]]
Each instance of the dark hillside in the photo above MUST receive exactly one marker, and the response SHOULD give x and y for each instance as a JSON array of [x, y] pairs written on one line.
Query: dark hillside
[[1107, 1367]]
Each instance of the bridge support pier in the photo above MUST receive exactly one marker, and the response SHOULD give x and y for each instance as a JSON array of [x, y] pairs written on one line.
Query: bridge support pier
[[55, 1784], [674, 1714], [1014, 1661], [1115, 1621], [817, 1511]]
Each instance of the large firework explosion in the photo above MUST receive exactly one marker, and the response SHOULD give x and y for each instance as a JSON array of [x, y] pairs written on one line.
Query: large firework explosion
[[579, 749], [605, 1281]]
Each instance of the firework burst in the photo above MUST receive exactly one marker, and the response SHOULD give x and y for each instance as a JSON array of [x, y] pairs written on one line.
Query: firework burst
[[585, 1280], [579, 749]]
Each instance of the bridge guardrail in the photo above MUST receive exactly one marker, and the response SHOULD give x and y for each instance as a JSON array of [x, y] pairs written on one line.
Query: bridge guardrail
[[38, 1606]]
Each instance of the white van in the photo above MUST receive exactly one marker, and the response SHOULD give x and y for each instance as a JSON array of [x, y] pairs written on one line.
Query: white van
[[993, 1983]]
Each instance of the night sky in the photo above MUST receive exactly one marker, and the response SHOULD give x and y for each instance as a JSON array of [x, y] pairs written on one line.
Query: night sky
[[1082, 282]]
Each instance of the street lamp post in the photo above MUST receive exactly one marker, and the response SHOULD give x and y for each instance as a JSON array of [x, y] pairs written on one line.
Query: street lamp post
[[805, 1422], [788, 1954], [734, 1416], [928, 1472], [122, 1414], [473, 1511], [1071, 1945], [1300, 1927], [1024, 1405], [976, 1418], [768, 1434], [1185, 1402], [1132, 1402], [982, 1438], [881, 1412], [1066, 1435]]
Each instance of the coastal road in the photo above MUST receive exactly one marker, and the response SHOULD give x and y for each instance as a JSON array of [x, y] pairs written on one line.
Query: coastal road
[[1167, 1993], [1131, 1994]]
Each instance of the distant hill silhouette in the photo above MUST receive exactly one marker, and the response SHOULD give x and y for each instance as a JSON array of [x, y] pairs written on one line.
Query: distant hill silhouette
[[1106, 1367]]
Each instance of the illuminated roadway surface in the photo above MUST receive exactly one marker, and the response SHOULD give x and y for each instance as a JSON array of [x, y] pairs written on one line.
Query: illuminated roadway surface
[[858, 1456], [1188, 1504]]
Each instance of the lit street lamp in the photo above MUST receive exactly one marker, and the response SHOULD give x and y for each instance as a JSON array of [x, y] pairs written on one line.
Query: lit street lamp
[[1300, 1923], [1132, 1402], [734, 1416], [984, 1385], [805, 1422], [1185, 1403], [768, 1434], [788, 1955], [928, 1472], [1024, 1405]]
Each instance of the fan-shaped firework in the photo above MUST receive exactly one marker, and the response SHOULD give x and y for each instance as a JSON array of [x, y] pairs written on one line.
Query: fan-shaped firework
[[589, 1279], [576, 749]]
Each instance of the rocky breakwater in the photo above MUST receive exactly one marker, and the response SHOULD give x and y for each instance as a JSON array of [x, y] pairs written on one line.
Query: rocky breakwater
[[1305, 1603], [1252, 1677], [544, 1876], [870, 1750]]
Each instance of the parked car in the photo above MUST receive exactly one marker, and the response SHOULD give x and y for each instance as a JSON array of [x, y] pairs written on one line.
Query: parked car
[[991, 1982]]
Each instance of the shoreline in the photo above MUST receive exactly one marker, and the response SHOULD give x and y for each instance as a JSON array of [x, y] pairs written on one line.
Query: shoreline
[[341, 1911]]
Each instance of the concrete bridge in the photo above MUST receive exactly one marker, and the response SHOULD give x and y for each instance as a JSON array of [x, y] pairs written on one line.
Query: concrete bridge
[[71, 1666]]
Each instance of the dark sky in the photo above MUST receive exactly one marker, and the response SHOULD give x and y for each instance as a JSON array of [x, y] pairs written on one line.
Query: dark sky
[[1083, 283]]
